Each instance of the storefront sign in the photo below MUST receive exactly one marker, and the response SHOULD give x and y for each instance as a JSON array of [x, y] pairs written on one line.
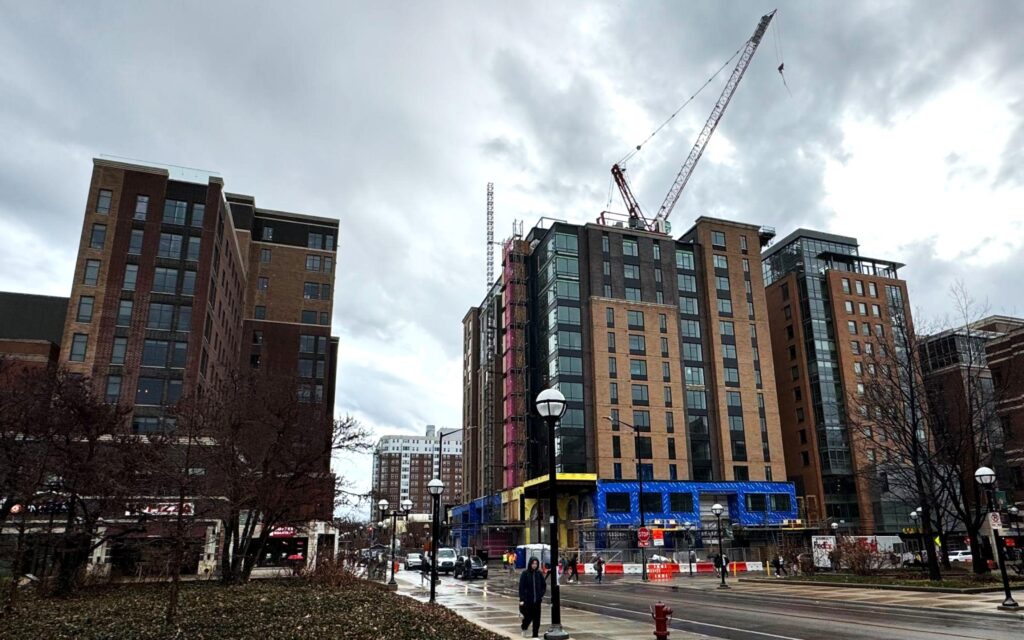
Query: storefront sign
[[167, 509], [822, 547], [283, 532]]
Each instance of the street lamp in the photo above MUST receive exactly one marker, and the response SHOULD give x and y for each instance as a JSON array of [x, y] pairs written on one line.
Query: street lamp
[[986, 477], [688, 527], [406, 508], [551, 407], [436, 488], [717, 509], [640, 480]]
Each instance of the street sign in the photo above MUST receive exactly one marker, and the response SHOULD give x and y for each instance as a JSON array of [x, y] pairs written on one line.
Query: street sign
[[643, 537], [659, 537]]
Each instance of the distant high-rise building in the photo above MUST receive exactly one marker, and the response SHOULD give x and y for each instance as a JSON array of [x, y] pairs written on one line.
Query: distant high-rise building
[[829, 309], [637, 329], [403, 465]]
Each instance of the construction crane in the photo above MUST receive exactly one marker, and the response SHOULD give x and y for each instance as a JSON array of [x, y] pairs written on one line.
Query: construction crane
[[660, 222]]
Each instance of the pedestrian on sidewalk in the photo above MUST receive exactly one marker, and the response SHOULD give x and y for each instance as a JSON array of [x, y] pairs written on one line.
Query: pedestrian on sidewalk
[[599, 569], [532, 587], [777, 565]]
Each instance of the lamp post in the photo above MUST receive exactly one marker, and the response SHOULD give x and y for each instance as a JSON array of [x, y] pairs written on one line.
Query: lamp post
[[688, 527], [640, 480], [436, 488], [986, 477], [717, 509], [551, 407], [406, 508]]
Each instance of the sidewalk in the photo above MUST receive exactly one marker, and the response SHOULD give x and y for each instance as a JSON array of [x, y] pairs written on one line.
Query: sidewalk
[[500, 613]]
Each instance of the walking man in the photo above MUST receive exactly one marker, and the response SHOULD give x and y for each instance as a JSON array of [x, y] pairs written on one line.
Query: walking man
[[531, 594], [574, 575], [599, 569]]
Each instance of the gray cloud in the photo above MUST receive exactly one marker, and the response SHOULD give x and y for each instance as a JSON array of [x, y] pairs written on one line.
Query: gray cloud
[[392, 117]]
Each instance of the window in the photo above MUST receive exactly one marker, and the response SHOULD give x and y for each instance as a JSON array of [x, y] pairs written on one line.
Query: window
[[789, 332], [865, 328], [103, 201], [174, 211], [858, 368], [92, 272], [325, 292], [690, 328], [113, 389], [657, 250], [257, 337], [642, 421], [264, 256], [262, 283], [260, 312], [85, 304], [879, 330], [859, 287], [170, 246], [617, 467], [311, 291], [98, 237], [325, 318], [119, 350], [846, 285], [635, 319], [720, 262], [198, 211], [640, 394], [869, 348], [616, 502], [692, 351], [855, 347], [670, 422], [613, 369], [631, 271], [693, 376], [609, 316], [741, 473], [686, 283], [604, 243], [733, 399], [780, 502], [154, 353], [637, 345], [680, 502], [616, 447], [862, 308], [722, 283], [613, 392], [173, 391], [315, 241], [684, 259], [666, 372], [630, 247], [876, 311], [308, 317], [193, 249], [633, 294], [666, 394], [135, 242], [179, 354], [150, 391], [305, 368], [757, 502], [718, 239], [184, 322], [312, 263], [124, 313], [652, 501], [141, 207], [268, 233], [724, 305], [687, 305], [872, 290], [79, 345], [638, 369], [161, 316], [848, 305], [662, 323], [165, 280], [606, 268], [726, 328], [732, 375], [851, 326], [729, 351], [568, 315], [188, 283]]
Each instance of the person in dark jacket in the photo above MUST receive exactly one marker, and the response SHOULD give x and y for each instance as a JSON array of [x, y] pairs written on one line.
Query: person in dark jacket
[[532, 586]]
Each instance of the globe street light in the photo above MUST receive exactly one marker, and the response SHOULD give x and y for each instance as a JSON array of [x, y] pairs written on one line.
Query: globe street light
[[436, 488], [688, 527], [551, 407], [717, 509], [986, 477]]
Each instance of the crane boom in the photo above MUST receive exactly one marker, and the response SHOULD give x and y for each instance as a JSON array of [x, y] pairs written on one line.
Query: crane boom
[[709, 127], [636, 217]]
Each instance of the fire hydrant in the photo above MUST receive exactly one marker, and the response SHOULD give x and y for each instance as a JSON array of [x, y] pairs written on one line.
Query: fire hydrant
[[662, 616]]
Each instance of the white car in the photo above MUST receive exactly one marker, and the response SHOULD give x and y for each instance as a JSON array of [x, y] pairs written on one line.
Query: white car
[[446, 560], [960, 556]]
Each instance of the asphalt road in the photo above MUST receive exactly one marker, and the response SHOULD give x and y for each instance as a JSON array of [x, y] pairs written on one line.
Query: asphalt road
[[743, 615]]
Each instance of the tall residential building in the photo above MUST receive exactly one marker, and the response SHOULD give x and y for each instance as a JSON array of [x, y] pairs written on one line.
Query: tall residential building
[[635, 328], [974, 375], [403, 465], [829, 308], [178, 285]]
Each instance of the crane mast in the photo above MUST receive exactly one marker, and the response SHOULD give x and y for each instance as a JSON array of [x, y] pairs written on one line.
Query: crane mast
[[661, 219]]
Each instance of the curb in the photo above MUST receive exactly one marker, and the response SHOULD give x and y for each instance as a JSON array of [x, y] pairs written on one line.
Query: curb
[[883, 587]]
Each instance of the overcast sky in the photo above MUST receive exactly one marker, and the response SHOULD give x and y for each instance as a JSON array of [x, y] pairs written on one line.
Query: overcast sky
[[904, 127]]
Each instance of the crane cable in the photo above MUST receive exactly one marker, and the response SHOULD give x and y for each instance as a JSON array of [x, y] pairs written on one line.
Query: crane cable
[[777, 38]]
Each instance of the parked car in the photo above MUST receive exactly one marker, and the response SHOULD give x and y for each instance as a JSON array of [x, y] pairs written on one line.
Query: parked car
[[469, 567], [964, 555], [446, 560], [413, 561]]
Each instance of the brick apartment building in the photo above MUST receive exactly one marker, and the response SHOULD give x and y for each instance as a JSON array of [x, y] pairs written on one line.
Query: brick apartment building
[[403, 465], [830, 308], [635, 328], [178, 284], [31, 327]]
